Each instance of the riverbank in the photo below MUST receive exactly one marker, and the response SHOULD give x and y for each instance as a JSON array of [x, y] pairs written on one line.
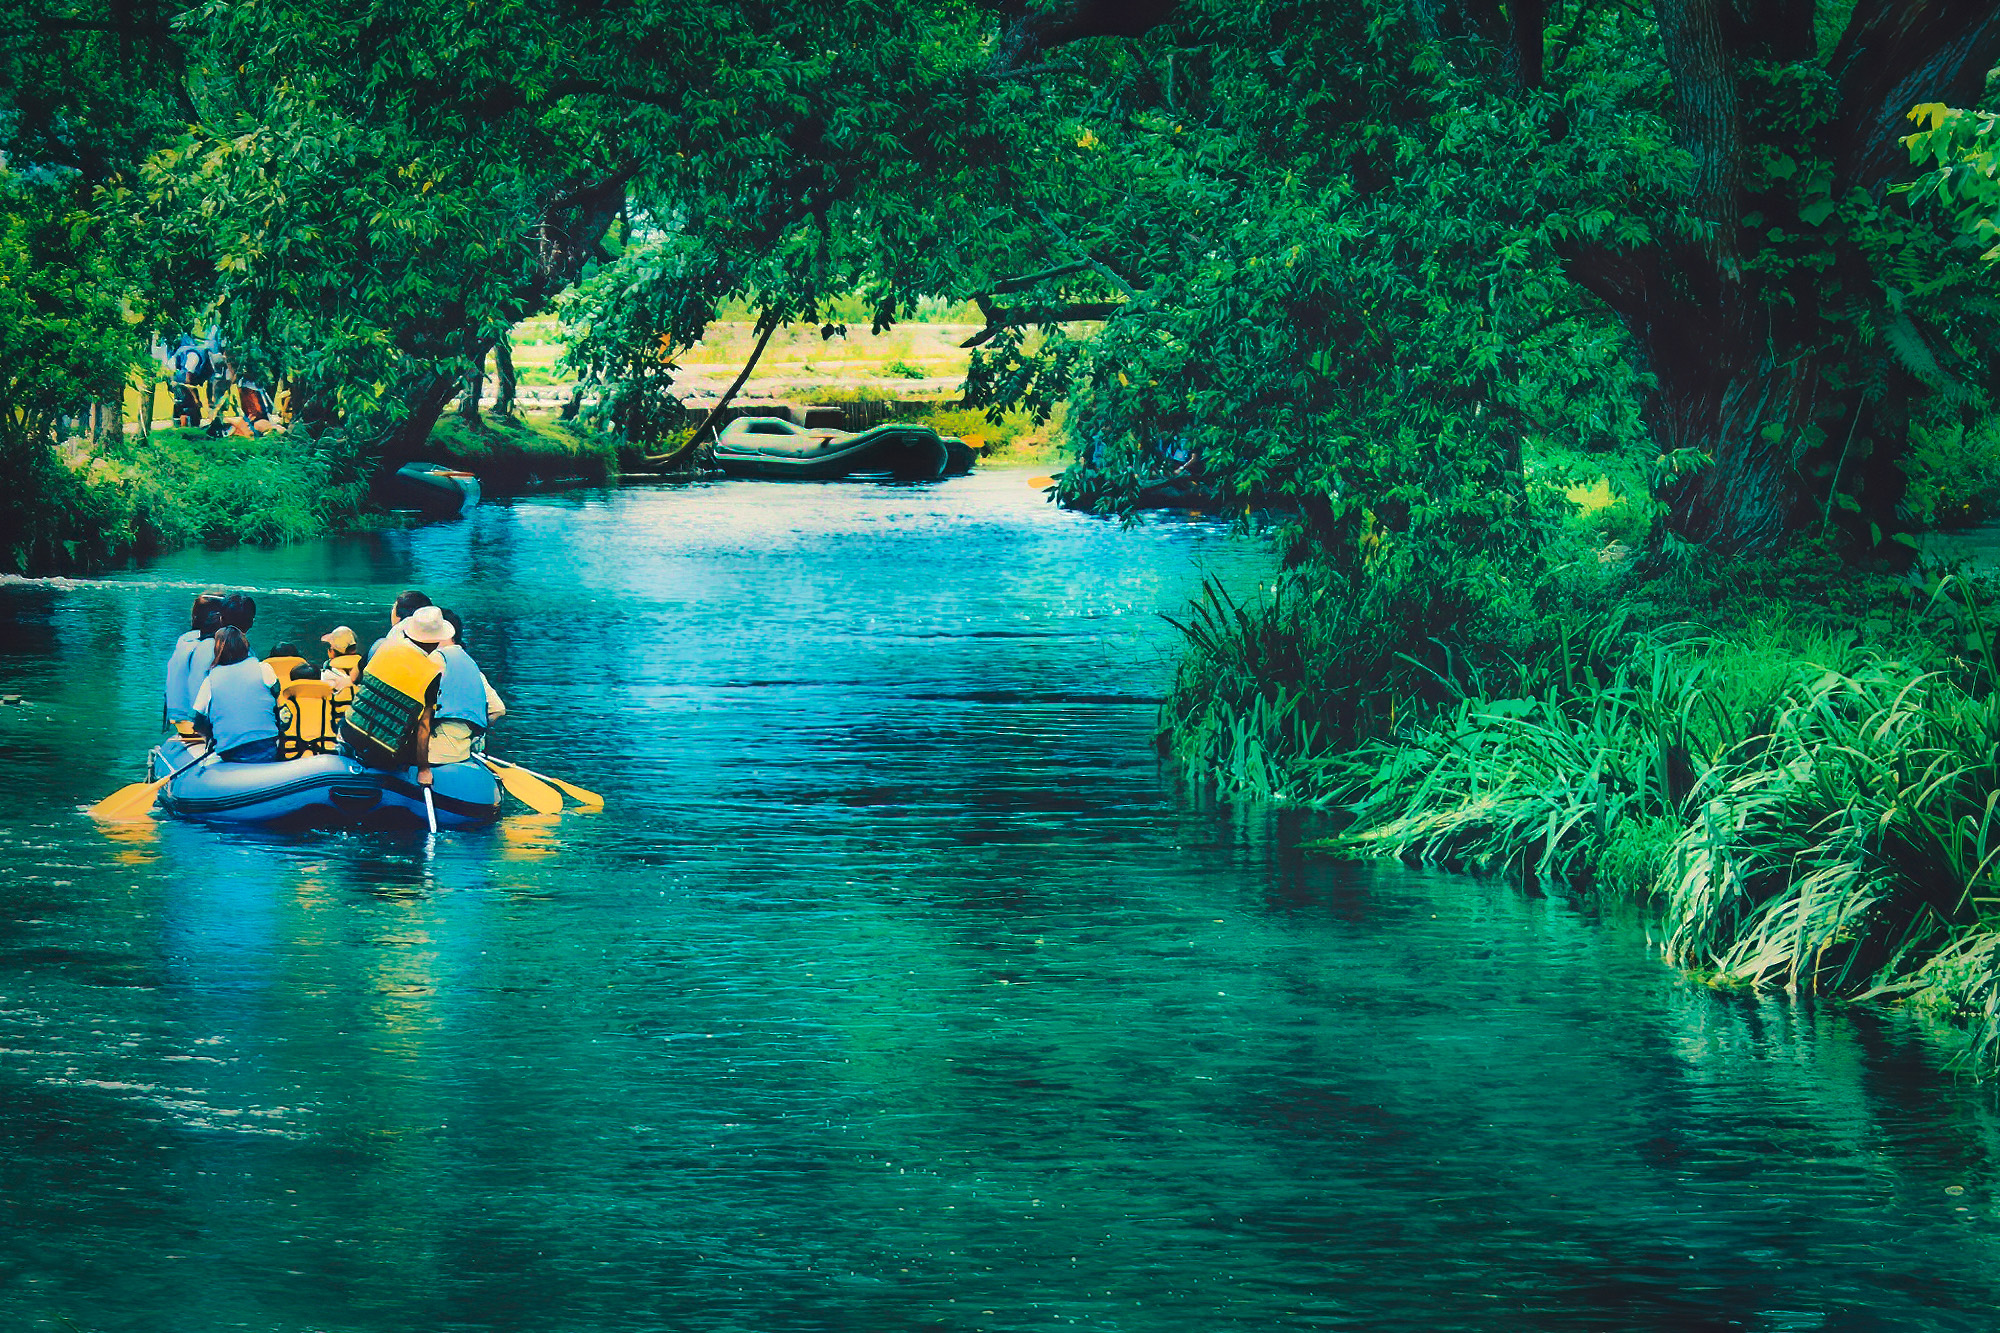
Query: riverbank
[[1790, 763], [104, 503]]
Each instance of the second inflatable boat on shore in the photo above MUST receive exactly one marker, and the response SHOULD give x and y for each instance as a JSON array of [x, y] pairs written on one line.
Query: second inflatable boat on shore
[[779, 450]]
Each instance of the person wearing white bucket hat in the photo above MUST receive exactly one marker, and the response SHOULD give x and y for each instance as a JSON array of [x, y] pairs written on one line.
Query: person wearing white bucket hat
[[427, 628]]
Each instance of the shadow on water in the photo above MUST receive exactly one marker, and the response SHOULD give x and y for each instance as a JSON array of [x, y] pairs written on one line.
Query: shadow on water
[[898, 988]]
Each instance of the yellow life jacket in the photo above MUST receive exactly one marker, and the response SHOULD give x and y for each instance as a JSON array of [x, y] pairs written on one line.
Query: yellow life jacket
[[345, 664], [305, 710], [282, 667], [398, 683]]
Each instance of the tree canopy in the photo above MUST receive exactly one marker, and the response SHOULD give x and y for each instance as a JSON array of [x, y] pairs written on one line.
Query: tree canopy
[[1359, 259]]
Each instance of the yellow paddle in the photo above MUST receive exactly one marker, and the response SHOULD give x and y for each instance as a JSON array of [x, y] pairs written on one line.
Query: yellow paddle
[[531, 791], [582, 794], [129, 802], [133, 800]]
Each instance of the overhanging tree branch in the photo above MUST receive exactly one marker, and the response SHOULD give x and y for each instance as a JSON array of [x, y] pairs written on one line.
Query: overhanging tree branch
[[1896, 53], [1097, 266], [1000, 317]]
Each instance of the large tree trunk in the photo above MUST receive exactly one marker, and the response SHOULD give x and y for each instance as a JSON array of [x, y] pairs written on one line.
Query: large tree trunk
[[564, 239], [503, 379], [1746, 365], [1752, 420], [425, 402]]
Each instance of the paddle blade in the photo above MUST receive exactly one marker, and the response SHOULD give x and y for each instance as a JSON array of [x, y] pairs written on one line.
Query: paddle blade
[[1041, 483], [531, 791], [588, 798], [128, 802]]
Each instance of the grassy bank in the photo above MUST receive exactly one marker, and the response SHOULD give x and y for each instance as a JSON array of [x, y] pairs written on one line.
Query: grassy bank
[[1793, 763], [100, 504], [94, 506], [521, 452]]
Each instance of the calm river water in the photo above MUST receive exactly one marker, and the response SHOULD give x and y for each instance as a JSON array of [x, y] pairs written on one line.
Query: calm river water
[[898, 989]]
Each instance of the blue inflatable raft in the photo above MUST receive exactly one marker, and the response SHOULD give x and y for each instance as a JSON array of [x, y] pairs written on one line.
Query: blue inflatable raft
[[319, 789]]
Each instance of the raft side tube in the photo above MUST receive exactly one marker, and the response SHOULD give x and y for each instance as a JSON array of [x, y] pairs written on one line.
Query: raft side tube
[[321, 789]]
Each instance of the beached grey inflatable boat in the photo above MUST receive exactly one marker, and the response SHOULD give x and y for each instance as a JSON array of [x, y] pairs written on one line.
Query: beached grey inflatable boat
[[776, 449], [319, 789]]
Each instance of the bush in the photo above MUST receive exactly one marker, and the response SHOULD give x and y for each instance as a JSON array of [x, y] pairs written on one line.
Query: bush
[[55, 518], [1953, 472], [280, 487], [1272, 696], [1807, 804]]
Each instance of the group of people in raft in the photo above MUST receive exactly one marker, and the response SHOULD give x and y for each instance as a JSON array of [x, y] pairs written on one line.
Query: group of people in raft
[[415, 699]]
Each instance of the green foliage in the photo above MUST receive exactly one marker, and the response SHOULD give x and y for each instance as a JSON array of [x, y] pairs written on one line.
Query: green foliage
[[1275, 694], [1584, 761], [65, 342], [265, 489], [624, 326], [523, 450], [1858, 837], [1961, 151], [1808, 802], [1344, 275], [1954, 470]]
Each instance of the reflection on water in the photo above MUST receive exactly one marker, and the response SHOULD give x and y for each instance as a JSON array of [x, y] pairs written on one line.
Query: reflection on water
[[896, 989]]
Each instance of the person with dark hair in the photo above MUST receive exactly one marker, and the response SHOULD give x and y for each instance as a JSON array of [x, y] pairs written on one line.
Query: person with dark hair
[[179, 694], [286, 659], [237, 609], [466, 703], [237, 705], [240, 609], [400, 610], [199, 661]]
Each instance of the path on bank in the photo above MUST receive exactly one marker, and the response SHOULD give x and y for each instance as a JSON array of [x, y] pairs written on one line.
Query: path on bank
[[899, 989]]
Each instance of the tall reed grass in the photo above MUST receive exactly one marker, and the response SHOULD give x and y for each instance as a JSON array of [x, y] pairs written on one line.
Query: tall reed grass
[[1803, 809]]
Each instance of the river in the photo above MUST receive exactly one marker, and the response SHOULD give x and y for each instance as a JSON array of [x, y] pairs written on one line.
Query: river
[[899, 987]]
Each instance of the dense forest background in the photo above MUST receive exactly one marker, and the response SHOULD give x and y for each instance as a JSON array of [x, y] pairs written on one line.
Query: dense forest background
[[1371, 263], [1601, 363]]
